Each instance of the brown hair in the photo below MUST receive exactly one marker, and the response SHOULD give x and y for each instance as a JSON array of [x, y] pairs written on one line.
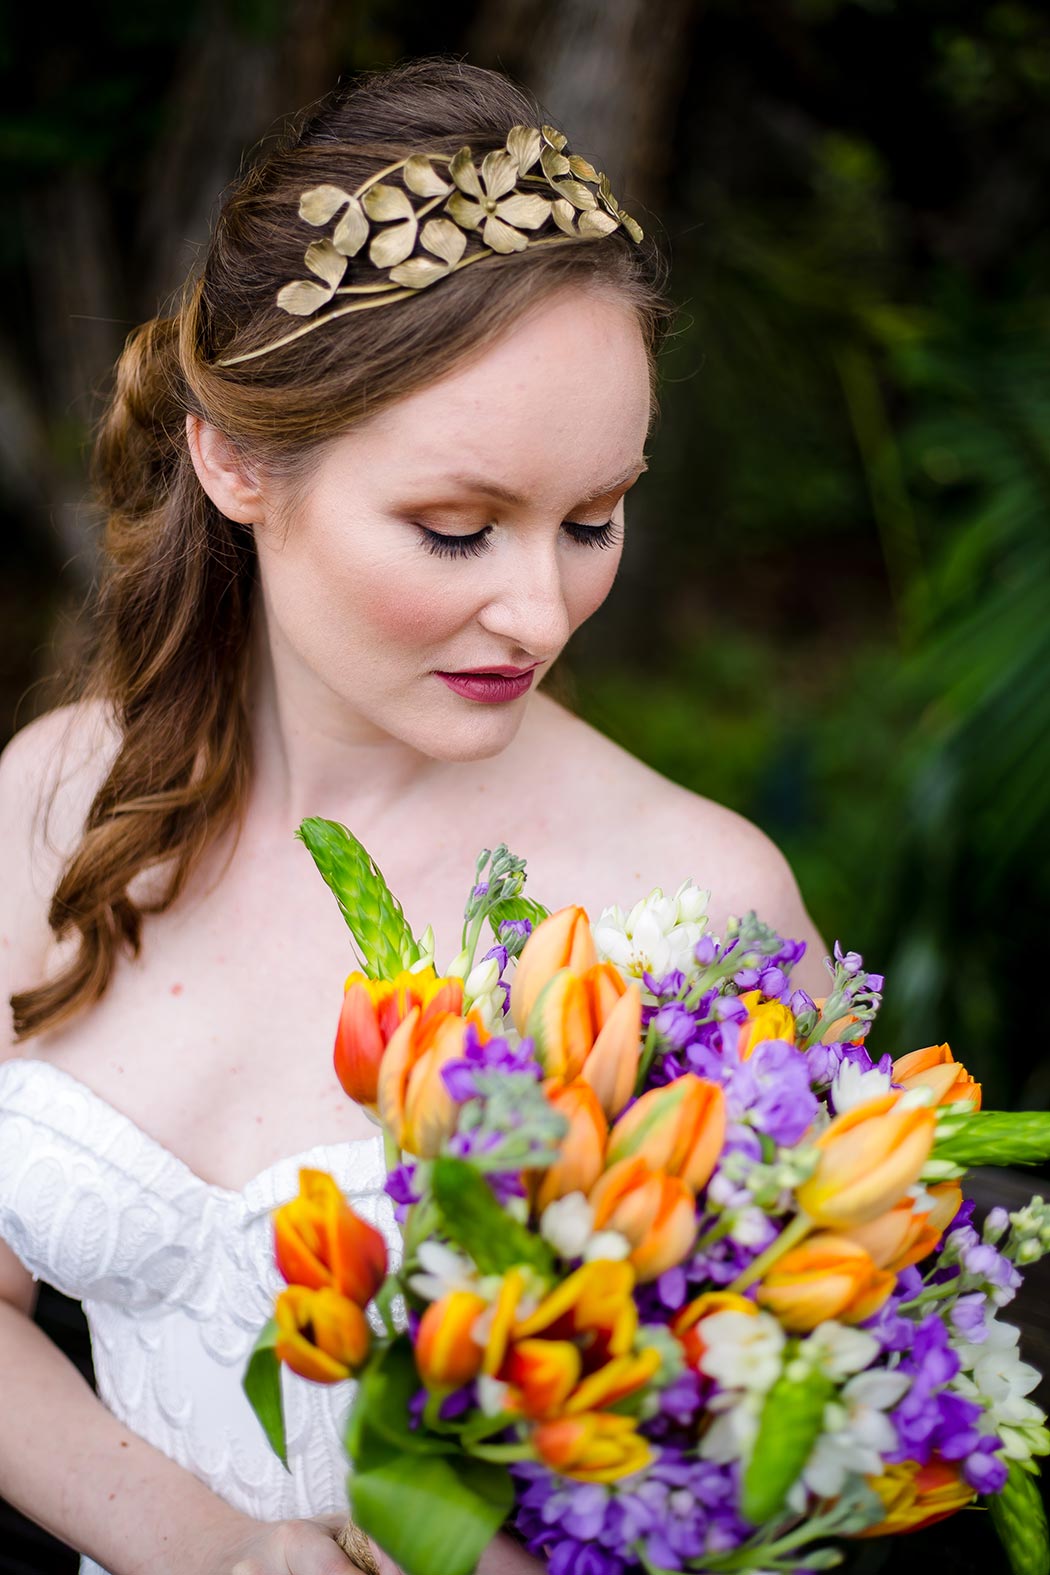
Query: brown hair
[[174, 608]]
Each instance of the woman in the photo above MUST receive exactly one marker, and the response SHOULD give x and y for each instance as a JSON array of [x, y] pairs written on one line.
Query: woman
[[313, 527]]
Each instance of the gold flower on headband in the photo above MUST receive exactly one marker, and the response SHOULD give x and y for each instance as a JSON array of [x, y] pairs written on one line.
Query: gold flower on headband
[[501, 205]]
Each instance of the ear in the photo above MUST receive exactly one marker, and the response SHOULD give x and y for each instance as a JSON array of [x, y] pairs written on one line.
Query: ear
[[222, 473]]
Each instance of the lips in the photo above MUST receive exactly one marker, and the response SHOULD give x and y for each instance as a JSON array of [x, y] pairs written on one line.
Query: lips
[[488, 672]]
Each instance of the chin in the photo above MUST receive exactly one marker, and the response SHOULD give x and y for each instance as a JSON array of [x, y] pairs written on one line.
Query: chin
[[470, 737]]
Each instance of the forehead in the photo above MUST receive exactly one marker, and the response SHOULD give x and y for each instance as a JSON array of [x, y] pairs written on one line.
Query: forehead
[[565, 391]]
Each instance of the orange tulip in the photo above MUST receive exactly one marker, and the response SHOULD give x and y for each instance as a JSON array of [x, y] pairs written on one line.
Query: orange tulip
[[446, 1354], [560, 1026], [836, 1030], [320, 1242], [563, 940], [765, 1020], [322, 1335], [611, 1064], [935, 1068], [914, 1496], [947, 1196], [679, 1128], [825, 1277], [582, 1152], [372, 1010], [685, 1323], [598, 1447], [898, 1238], [414, 1104], [656, 1212], [869, 1157]]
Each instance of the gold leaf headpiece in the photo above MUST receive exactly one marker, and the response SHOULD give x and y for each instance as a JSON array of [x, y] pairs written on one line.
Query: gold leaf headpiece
[[497, 203]]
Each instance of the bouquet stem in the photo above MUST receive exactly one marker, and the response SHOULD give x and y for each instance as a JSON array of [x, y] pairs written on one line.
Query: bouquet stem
[[357, 1548]]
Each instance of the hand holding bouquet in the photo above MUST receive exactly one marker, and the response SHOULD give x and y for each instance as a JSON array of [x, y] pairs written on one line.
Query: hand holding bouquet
[[688, 1280]]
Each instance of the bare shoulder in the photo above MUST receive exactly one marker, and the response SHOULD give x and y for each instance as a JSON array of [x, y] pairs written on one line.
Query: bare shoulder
[[654, 832], [49, 775]]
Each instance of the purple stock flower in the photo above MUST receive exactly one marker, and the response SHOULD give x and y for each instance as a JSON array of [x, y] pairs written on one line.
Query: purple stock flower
[[495, 1055], [677, 1508], [398, 1185], [967, 1316], [772, 1085]]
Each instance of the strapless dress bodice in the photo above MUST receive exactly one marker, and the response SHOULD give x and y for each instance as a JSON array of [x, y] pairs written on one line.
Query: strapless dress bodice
[[176, 1277]]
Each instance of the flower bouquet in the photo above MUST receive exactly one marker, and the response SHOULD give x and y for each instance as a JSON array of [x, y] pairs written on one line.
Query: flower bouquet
[[688, 1281]]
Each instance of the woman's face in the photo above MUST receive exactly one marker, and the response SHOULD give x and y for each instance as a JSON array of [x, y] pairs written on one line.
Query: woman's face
[[367, 596]]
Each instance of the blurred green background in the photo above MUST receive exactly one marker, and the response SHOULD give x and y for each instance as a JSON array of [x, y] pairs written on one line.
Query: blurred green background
[[834, 608]]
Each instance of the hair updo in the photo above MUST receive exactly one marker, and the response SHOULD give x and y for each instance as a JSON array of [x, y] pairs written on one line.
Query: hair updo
[[174, 606]]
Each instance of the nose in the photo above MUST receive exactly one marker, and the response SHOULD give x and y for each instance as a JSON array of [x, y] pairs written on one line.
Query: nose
[[527, 607]]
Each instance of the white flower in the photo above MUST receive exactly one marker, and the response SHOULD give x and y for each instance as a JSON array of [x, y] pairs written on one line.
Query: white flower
[[492, 1395], [852, 1086], [994, 1373], [857, 1432], [838, 1351], [606, 1244], [445, 1271], [657, 935], [568, 1224], [742, 1350], [731, 1436]]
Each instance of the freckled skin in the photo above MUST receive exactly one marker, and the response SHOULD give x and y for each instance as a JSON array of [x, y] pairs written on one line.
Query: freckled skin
[[555, 408]]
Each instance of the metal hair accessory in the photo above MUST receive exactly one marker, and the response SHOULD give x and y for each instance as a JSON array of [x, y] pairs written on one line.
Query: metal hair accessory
[[497, 204]]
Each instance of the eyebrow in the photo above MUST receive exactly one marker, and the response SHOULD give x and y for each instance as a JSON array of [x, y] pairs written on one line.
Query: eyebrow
[[493, 489]]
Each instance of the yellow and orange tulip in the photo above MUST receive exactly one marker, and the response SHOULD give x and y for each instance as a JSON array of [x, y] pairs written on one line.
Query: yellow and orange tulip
[[371, 1012], [934, 1067], [446, 1354], [563, 940], [593, 1304], [765, 1020], [679, 1128], [319, 1242], [321, 1334], [656, 1212], [685, 1324], [582, 1150], [597, 1447], [915, 1496], [414, 1104], [566, 1359], [827, 1276], [869, 1157]]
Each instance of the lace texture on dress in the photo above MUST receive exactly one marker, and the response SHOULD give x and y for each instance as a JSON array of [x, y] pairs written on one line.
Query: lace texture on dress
[[176, 1277]]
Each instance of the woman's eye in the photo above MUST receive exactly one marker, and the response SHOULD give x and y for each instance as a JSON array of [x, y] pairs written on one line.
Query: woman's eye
[[471, 546]]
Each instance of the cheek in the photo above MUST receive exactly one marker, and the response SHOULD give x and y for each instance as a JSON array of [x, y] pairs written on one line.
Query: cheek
[[591, 584]]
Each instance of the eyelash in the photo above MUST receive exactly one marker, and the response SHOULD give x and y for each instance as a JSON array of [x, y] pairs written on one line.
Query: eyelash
[[472, 546]]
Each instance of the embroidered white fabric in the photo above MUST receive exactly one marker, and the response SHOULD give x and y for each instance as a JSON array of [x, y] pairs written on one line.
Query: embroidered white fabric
[[176, 1277]]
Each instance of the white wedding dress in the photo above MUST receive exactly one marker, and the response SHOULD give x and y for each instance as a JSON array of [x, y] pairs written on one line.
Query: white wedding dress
[[176, 1277]]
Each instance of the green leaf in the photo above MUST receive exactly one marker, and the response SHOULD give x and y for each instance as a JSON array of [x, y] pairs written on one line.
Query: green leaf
[[1020, 1519], [383, 938], [379, 1427], [791, 1421], [517, 908], [262, 1384], [441, 1514], [478, 1224], [998, 1137]]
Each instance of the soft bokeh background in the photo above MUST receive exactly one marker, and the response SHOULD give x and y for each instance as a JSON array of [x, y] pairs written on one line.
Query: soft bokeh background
[[834, 609]]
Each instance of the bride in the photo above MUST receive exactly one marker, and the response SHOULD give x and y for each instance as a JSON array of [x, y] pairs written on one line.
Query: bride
[[314, 530]]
